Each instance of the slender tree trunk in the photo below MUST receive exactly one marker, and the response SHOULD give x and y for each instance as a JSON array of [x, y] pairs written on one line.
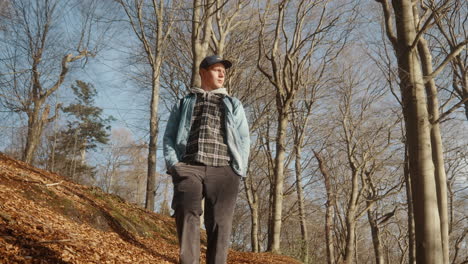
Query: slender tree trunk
[[426, 213], [351, 224], [436, 143], [274, 244], [270, 210], [329, 218], [152, 147], [372, 197], [271, 175], [252, 199], [329, 213], [375, 231], [409, 200], [201, 35], [351, 218], [197, 51], [300, 199], [356, 255], [254, 229]]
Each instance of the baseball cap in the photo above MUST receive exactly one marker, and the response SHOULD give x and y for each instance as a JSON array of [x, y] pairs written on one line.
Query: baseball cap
[[210, 60]]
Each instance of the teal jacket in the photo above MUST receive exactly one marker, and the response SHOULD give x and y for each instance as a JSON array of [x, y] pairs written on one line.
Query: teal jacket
[[237, 132]]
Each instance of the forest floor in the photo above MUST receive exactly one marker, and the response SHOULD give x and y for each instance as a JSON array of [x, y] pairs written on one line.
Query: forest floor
[[44, 218]]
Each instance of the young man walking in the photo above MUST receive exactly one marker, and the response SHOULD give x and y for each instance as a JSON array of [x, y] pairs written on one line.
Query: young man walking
[[206, 148]]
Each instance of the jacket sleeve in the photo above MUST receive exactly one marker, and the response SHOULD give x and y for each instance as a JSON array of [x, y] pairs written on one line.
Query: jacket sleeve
[[170, 136], [243, 130]]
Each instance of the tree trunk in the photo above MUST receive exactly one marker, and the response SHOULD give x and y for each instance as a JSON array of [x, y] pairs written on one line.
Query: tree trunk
[[351, 216], [201, 35], [252, 199], [274, 244], [375, 231], [329, 218], [436, 143], [152, 147], [255, 225], [253, 205], [409, 200], [426, 214], [329, 213], [351, 223], [300, 199], [270, 209], [36, 121]]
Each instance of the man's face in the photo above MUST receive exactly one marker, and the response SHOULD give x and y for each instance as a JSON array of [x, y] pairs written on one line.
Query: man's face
[[213, 77]]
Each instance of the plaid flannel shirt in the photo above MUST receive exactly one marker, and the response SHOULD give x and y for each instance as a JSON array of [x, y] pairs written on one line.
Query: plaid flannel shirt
[[206, 143]]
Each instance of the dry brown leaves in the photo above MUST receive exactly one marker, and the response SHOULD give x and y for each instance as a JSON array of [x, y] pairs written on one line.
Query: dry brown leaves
[[46, 219]]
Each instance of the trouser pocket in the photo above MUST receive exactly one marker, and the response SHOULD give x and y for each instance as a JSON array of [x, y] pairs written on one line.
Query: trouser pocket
[[188, 188]]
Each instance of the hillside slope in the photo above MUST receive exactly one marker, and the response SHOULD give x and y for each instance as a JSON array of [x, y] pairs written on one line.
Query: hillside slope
[[46, 219]]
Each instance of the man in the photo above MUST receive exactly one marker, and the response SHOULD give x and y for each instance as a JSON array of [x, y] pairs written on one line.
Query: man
[[206, 147]]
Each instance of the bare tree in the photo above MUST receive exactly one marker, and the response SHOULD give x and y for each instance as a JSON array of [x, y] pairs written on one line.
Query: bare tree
[[260, 162], [420, 109], [363, 144], [284, 57], [37, 57], [152, 24], [357, 146], [300, 116]]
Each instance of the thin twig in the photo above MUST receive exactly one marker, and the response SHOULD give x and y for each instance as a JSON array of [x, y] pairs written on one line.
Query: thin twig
[[54, 241], [53, 184]]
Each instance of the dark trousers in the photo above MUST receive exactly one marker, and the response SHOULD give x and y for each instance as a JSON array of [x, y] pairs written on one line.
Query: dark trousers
[[219, 186]]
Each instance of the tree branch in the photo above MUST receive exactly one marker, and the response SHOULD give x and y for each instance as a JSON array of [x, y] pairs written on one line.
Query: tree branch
[[388, 22], [65, 60], [448, 112], [459, 48], [424, 28]]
